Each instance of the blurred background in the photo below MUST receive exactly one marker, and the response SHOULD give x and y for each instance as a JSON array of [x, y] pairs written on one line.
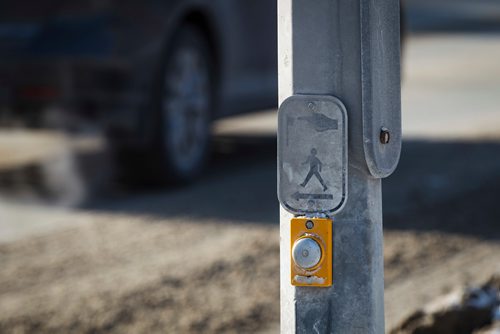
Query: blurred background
[[138, 178]]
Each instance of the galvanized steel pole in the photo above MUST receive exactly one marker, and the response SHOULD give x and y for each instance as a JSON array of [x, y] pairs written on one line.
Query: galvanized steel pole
[[349, 50]]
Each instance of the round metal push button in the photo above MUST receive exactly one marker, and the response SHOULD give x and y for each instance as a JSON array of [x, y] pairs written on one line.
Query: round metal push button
[[306, 253]]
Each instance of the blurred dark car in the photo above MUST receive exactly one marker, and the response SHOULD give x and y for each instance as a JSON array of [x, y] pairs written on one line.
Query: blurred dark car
[[153, 72]]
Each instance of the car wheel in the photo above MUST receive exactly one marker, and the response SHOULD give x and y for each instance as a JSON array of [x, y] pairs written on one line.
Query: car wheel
[[184, 104]]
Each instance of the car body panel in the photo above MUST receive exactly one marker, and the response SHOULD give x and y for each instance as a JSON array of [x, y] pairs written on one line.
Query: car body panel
[[127, 41]]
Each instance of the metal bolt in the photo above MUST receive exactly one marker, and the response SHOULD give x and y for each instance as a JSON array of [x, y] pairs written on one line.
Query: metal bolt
[[309, 224], [306, 253], [311, 105], [385, 135]]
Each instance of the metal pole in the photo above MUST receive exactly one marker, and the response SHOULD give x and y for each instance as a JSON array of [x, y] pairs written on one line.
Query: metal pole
[[349, 50]]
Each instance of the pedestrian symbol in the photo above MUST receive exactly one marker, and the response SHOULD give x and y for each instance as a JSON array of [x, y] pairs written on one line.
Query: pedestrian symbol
[[312, 154], [315, 167]]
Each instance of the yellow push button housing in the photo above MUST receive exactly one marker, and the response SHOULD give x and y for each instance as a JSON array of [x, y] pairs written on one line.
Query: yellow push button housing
[[311, 252]]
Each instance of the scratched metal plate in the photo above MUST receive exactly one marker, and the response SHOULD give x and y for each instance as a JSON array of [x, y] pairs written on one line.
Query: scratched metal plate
[[312, 154]]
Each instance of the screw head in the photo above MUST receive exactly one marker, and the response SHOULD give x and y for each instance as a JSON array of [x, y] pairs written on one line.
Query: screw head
[[385, 135], [309, 224], [311, 105], [306, 253]]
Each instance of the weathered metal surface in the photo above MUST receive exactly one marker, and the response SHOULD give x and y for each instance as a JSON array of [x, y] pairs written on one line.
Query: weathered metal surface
[[380, 82], [312, 154], [345, 49]]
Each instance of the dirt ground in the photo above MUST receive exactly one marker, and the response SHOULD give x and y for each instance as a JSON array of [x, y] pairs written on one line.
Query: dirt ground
[[205, 258], [158, 262], [114, 273]]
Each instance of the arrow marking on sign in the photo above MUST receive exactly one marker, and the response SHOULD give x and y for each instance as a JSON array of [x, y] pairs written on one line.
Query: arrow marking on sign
[[296, 196]]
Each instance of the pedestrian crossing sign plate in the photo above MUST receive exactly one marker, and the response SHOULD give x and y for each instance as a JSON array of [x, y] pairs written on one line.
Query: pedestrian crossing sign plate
[[312, 154]]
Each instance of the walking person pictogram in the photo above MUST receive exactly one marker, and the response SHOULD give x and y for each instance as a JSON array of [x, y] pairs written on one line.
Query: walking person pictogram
[[315, 166]]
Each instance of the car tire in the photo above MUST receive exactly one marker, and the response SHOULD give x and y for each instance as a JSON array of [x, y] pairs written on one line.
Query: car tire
[[183, 105]]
